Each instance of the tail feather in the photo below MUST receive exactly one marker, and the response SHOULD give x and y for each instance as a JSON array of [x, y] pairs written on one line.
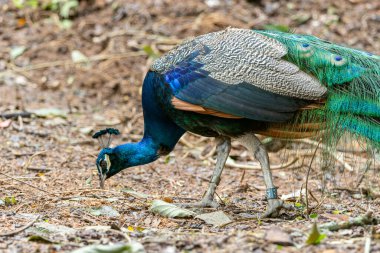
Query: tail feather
[[363, 128], [354, 105], [353, 81]]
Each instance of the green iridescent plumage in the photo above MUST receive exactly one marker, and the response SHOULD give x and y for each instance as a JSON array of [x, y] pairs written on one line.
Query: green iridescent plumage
[[352, 78]]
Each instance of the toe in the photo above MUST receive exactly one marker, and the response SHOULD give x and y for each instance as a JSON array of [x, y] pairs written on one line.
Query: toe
[[274, 208]]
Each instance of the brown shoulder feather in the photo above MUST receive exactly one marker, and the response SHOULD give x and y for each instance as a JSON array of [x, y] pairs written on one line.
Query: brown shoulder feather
[[185, 106]]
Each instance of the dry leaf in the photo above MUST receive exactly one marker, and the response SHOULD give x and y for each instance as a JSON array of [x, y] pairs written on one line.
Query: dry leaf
[[5, 123], [218, 218], [169, 210]]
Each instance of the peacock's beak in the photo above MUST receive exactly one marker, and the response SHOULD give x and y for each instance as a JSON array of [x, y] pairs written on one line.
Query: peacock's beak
[[102, 177], [102, 180], [104, 171]]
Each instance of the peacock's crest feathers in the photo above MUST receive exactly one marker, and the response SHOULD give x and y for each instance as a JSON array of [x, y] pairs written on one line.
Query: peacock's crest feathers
[[104, 136], [102, 132]]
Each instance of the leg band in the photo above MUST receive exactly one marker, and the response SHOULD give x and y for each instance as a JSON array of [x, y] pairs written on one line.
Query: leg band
[[271, 193]]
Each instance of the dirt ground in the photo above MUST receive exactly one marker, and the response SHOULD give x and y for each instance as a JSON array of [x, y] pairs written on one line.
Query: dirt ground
[[91, 75]]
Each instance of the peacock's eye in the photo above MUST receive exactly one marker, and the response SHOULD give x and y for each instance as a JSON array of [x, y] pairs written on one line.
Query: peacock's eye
[[103, 164]]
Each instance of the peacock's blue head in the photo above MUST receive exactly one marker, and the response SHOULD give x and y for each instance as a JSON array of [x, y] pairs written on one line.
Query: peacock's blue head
[[110, 161], [107, 163]]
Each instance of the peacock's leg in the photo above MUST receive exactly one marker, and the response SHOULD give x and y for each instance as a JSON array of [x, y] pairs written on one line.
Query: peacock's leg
[[223, 150], [253, 144]]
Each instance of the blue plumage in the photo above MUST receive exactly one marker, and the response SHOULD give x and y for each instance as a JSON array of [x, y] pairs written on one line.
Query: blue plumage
[[237, 83], [185, 72]]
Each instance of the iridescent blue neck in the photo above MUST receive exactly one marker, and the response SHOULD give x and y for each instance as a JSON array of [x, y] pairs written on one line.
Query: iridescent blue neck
[[157, 125], [161, 134], [133, 154]]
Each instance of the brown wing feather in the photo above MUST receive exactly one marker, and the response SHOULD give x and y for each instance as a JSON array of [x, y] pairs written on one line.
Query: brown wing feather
[[185, 106]]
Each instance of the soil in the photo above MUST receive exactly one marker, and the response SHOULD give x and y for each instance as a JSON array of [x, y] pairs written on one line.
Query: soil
[[91, 75]]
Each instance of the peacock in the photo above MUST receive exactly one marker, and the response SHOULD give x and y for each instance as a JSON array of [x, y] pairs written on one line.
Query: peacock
[[236, 83]]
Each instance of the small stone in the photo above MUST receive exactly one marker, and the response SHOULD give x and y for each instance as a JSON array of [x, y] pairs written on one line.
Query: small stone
[[296, 234], [277, 236]]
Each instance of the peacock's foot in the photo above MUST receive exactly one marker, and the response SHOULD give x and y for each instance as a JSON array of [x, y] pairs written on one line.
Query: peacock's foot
[[274, 208], [205, 202]]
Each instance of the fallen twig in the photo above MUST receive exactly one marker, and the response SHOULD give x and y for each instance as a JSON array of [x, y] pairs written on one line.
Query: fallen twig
[[367, 246], [16, 115], [338, 156], [360, 190], [22, 228], [307, 180], [186, 143], [93, 58], [361, 177], [35, 187], [26, 165], [362, 220], [232, 164], [38, 169], [209, 154]]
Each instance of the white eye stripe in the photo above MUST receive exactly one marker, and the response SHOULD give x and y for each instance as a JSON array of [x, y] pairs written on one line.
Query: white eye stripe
[[108, 161]]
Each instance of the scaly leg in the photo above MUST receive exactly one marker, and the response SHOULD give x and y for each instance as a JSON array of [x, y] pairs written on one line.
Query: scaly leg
[[253, 144], [223, 150]]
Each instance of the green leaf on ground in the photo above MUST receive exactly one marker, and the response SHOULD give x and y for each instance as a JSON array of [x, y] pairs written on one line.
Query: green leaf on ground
[[10, 201], [32, 3], [315, 237], [67, 6], [65, 24], [336, 212], [18, 3], [150, 52], [17, 51], [169, 210], [313, 216]]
